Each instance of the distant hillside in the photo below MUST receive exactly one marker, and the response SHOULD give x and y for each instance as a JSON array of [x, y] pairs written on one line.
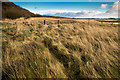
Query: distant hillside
[[12, 11]]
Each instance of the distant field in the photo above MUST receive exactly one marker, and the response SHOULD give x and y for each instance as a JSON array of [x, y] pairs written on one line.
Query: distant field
[[70, 48], [48, 18], [82, 20]]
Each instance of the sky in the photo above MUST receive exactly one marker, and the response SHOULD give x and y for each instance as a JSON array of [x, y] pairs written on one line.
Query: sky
[[63, 0], [73, 9]]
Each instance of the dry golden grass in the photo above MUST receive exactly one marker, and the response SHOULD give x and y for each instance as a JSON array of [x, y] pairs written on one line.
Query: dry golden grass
[[72, 50]]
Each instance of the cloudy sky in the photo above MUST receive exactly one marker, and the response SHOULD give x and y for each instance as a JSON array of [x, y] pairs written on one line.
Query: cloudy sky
[[62, 0], [74, 9]]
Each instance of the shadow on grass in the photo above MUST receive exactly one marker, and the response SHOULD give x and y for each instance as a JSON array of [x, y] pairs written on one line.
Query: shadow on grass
[[71, 64]]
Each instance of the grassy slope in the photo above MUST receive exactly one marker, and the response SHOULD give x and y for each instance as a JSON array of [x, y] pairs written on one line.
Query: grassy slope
[[74, 49], [12, 11]]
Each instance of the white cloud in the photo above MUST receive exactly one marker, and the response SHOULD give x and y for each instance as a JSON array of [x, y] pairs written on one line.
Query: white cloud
[[104, 5], [77, 14], [114, 8], [53, 11], [111, 13]]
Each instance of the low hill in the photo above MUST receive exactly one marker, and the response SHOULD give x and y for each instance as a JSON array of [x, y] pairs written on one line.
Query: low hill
[[12, 11]]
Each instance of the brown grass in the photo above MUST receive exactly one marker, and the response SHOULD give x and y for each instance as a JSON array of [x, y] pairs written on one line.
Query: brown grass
[[72, 50]]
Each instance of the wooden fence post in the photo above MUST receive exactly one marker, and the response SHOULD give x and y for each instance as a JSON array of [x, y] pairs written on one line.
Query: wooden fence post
[[44, 22], [58, 23]]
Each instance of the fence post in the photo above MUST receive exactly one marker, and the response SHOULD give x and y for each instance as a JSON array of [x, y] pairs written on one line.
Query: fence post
[[44, 22], [58, 23]]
